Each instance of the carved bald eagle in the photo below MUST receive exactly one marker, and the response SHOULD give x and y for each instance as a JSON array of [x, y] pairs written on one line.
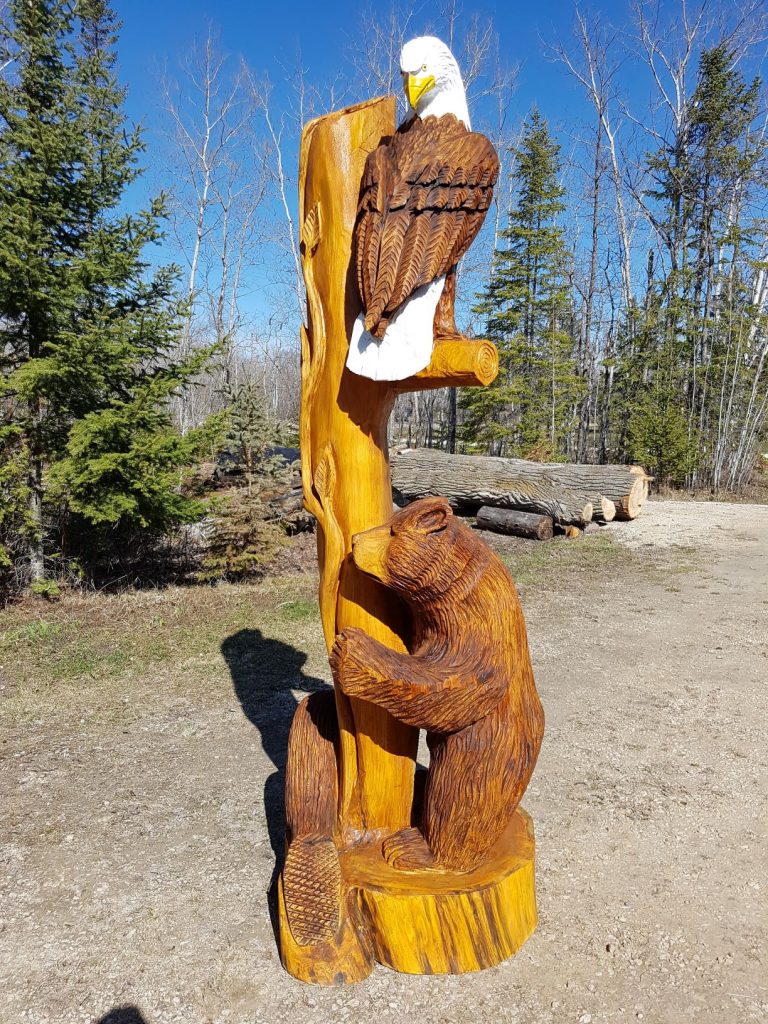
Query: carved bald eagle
[[423, 198]]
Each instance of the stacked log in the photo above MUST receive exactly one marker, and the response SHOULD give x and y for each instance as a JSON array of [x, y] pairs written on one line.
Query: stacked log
[[468, 482], [604, 510], [520, 524], [569, 494], [626, 487]]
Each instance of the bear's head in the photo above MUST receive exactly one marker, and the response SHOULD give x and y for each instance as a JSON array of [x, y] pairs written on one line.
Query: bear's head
[[421, 552]]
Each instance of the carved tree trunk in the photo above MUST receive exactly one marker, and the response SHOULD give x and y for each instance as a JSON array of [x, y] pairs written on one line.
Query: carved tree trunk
[[345, 474]]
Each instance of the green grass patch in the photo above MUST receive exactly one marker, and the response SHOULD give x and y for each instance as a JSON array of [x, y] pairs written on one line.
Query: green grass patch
[[298, 611], [544, 562], [120, 657]]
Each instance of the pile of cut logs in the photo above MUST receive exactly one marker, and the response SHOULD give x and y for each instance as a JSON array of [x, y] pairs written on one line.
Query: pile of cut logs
[[528, 499]]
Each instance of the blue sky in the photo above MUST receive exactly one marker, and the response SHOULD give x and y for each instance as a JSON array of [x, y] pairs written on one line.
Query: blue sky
[[157, 34], [268, 35]]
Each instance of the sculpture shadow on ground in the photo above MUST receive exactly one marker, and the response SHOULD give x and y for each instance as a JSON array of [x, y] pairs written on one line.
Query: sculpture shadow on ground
[[265, 674], [123, 1015]]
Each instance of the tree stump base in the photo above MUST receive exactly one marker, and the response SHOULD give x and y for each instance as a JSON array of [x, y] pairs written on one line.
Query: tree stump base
[[423, 922]]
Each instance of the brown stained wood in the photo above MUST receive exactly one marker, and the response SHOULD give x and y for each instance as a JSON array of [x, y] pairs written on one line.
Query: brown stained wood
[[311, 875], [467, 680], [518, 524], [312, 888], [311, 783], [424, 196]]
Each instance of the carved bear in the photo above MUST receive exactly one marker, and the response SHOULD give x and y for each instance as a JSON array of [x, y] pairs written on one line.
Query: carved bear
[[467, 680]]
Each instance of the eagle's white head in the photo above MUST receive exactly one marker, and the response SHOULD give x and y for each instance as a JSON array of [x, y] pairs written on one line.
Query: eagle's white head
[[432, 80]]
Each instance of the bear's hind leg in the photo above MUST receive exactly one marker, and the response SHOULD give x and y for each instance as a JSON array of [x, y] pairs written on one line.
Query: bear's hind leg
[[407, 850]]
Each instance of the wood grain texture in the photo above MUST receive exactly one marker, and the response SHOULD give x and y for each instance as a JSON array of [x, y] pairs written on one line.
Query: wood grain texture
[[423, 198], [603, 509], [312, 888], [344, 958], [456, 362], [448, 922], [612, 490], [345, 470], [470, 481], [467, 679], [311, 777]]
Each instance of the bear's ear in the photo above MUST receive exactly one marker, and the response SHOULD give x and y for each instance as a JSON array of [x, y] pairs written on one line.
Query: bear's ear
[[435, 517]]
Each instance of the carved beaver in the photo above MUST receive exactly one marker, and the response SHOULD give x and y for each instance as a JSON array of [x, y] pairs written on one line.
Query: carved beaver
[[467, 680]]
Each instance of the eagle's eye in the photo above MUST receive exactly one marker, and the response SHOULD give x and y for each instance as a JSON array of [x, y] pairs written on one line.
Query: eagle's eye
[[423, 67]]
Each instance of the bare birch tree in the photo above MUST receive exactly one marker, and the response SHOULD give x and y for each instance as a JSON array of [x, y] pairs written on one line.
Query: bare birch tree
[[219, 188]]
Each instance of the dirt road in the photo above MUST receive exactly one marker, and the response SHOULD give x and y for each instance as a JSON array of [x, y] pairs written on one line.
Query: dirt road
[[138, 851]]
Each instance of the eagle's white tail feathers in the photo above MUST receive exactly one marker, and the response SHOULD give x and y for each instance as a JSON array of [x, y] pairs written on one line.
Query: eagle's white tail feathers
[[406, 346]]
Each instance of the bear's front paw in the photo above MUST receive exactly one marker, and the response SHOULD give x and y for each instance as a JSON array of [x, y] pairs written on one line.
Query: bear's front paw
[[407, 850], [349, 660]]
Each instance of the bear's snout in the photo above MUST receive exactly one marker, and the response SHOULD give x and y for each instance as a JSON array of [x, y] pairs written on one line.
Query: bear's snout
[[369, 551]]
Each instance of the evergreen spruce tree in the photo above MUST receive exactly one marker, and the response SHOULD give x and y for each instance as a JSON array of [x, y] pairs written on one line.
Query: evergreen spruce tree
[[246, 531], [687, 356], [657, 427], [86, 330], [527, 309]]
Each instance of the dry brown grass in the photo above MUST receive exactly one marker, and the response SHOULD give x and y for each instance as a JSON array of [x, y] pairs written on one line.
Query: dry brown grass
[[755, 493], [108, 656], [89, 650]]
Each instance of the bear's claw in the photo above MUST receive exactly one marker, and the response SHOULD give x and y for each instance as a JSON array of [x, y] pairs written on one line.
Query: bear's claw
[[407, 850]]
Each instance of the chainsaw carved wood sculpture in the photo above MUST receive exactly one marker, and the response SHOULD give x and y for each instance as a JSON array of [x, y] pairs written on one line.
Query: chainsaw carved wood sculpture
[[423, 198], [467, 681], [421, 619]]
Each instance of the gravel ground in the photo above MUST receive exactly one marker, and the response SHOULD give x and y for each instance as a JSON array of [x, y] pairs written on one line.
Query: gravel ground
[[138, 852]]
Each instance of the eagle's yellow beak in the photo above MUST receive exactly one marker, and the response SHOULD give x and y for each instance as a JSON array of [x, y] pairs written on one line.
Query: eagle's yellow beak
[[416, 87]]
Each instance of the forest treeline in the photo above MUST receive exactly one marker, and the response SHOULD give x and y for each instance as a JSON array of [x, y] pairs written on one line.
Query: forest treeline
[[622, 273]]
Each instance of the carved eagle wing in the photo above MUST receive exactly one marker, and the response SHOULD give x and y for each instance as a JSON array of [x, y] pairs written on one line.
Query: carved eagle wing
[[423, 198]]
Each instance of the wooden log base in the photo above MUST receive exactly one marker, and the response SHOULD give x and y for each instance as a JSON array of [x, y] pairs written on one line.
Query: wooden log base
[[423, 921]]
